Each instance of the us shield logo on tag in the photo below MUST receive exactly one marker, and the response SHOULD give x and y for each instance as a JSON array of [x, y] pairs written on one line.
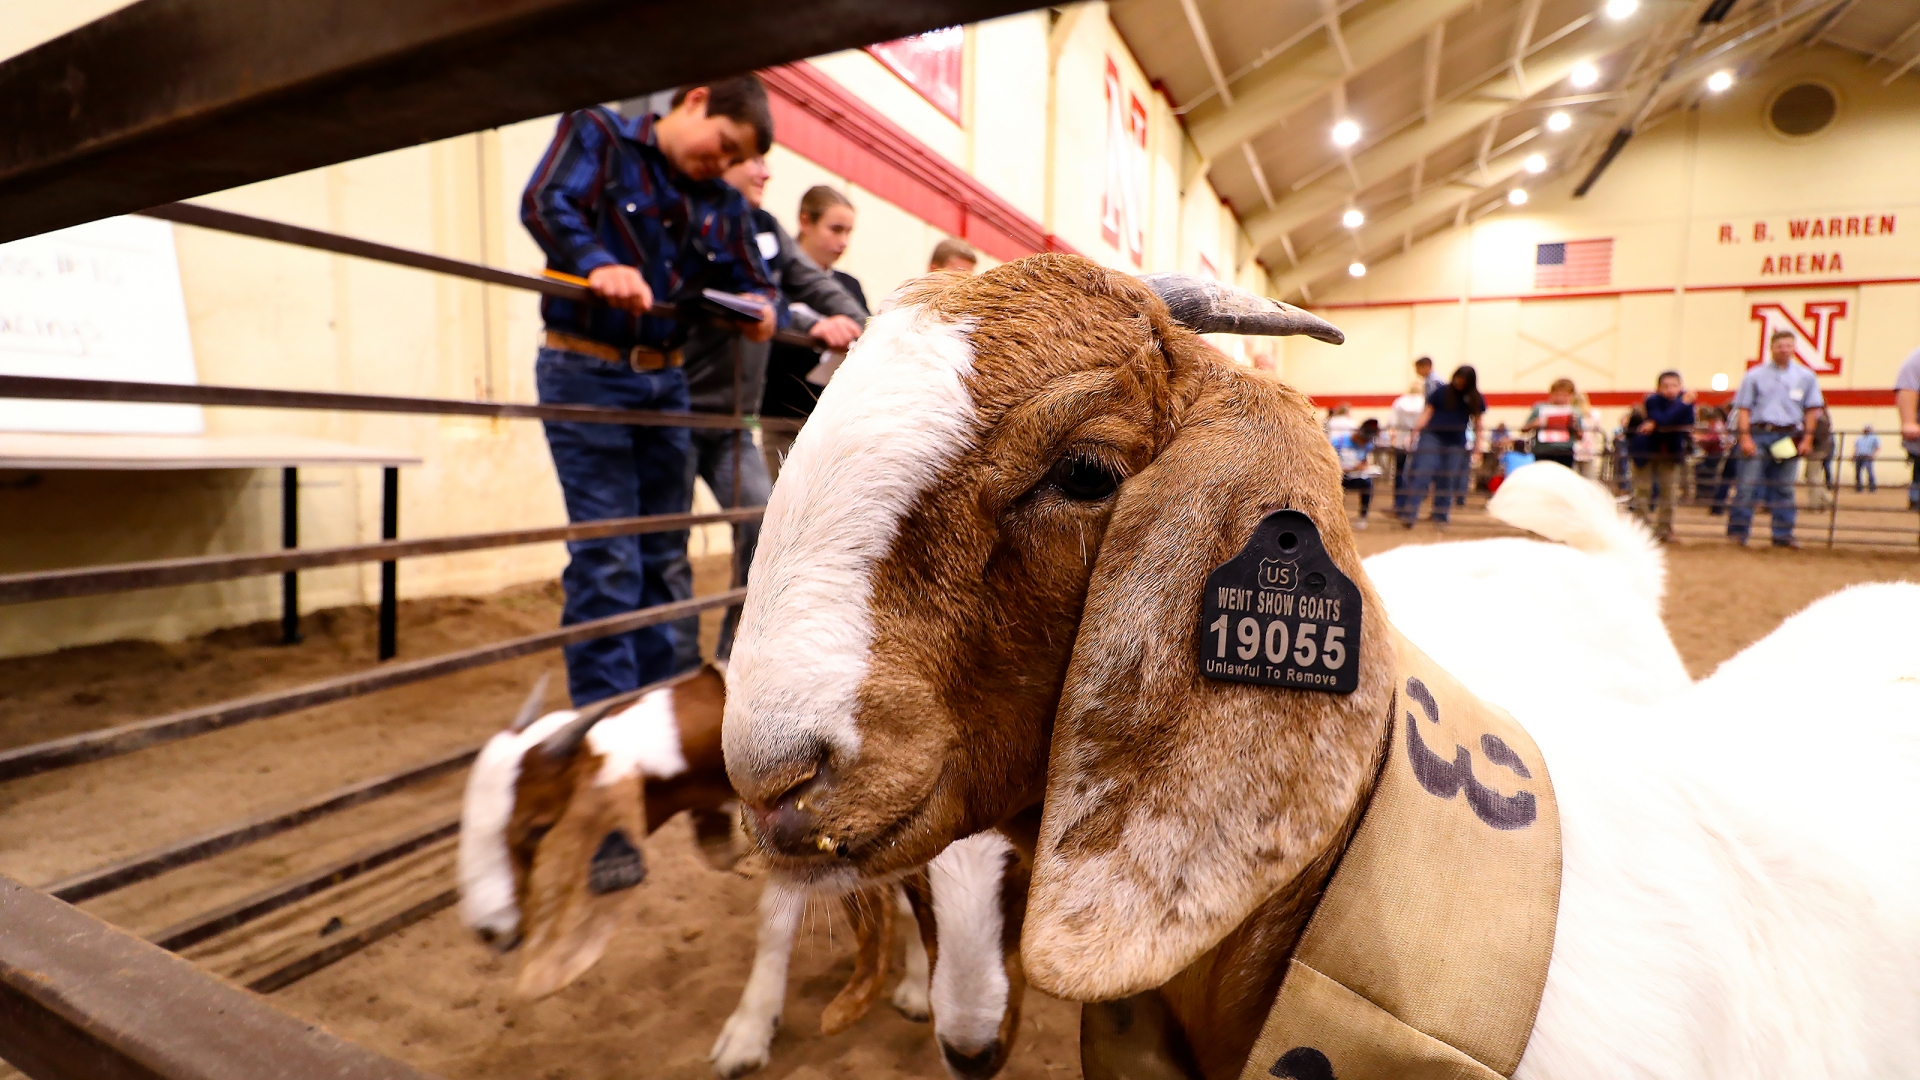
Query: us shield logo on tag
[[1281, 613]]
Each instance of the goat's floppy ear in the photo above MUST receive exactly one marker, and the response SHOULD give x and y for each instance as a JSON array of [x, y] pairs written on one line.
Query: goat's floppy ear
[[1177, 804]]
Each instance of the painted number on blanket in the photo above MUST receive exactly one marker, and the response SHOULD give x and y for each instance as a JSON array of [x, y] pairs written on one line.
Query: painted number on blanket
[[1280, 613], [1445, 779]]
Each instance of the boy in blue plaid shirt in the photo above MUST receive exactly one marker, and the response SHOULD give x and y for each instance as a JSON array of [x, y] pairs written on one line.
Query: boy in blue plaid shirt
[[635, 206]]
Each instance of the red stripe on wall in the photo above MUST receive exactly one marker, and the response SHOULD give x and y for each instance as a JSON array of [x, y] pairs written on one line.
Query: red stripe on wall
[[1758, 287], [1607, 398], [818, 119]]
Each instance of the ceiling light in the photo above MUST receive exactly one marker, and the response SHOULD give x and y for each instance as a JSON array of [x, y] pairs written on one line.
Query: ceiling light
[[1346, 133], [1719, 81], [1517, 197], [1357, 269], [1584, 75], [1353, 219], [1536, 163], [1559, 121], [1621, 9]]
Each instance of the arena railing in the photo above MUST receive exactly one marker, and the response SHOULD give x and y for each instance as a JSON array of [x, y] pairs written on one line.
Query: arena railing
[[36, 758], [1827, 509]]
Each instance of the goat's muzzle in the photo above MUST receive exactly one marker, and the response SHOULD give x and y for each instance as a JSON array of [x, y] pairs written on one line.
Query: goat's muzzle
[[978, 1065]]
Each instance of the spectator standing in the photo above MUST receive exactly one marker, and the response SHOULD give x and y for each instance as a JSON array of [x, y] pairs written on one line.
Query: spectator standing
[[1405, 433], [1712, 473], [634, 205], [1515, 458], [1448, 426], [1773, 409], [1662, 444], [1906, 398], [1554, 424], [1357, 470], [796, 374], [1819, 471], [821, 309], [1864, 448], [1592, 445], [1340, 421], [1429, 382], [951, 254]]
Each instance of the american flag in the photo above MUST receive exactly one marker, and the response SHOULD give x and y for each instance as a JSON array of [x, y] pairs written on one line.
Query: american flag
[[1573, 262]]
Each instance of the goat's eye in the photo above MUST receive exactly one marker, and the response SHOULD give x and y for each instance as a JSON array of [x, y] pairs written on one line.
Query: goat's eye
[[1082, 479]]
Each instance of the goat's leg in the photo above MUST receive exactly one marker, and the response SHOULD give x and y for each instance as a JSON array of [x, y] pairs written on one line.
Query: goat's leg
[[870, 910], [747, 1039], [910, 997]]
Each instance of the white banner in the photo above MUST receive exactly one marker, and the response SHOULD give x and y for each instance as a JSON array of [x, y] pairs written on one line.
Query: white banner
[[97, 301]]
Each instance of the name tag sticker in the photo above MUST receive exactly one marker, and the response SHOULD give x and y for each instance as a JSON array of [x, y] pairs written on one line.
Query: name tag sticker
[[1797, 394], [1281, 613]]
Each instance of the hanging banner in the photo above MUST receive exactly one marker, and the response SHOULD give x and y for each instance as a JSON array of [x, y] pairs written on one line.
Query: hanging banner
[[1123, 200], [930, 63]]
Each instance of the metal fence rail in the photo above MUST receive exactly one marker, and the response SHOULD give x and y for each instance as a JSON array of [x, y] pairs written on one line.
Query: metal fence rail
[[126, 738], [126, 577], [81, 1000], [42, 387]]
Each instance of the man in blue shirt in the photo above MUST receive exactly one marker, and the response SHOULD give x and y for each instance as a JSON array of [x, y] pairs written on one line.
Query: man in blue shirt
[[1774, 410], [1864, 449], [1659, 449], [634, 205]]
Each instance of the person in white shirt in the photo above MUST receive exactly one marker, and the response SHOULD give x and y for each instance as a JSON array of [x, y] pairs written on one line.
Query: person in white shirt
[[1340, 421], [1402, 433]]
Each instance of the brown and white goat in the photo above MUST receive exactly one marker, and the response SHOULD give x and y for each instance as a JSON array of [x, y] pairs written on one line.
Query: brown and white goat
[[554, 812], [995, 532], [1012, 474]]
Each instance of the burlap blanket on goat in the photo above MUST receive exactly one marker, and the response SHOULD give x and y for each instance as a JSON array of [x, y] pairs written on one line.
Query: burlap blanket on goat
[[1427, 958]]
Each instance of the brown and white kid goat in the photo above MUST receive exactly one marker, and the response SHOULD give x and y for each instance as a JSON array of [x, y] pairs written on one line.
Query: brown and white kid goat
[[556, 807]]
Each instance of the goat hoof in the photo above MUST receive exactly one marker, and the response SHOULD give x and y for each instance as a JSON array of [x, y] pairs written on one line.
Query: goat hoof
[[911, 1002], [745, 1044]]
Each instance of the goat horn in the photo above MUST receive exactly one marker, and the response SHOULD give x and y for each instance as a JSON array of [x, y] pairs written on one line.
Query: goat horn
[[1209, 307], [530, 709], [562, 743]]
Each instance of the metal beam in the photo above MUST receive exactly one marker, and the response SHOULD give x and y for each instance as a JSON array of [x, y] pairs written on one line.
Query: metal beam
[[1463, 117], [167, 99], [1440, 200], [1430, 70], [80, 1000], [1271, 96], [1205, 41]]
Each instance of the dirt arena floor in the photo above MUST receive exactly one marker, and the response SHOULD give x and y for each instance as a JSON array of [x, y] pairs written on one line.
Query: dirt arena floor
[[433, 996]]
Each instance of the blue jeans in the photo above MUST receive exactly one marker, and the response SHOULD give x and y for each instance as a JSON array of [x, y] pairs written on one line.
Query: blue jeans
[[611, 471], [1764, 479], [1439, 463], [712, 460]]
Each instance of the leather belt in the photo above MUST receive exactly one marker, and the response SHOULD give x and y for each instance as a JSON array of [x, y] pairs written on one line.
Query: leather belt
[[639, 357], [1771, 427]]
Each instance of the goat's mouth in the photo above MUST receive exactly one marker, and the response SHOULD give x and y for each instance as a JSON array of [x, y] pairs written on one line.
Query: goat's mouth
[[855, 860]]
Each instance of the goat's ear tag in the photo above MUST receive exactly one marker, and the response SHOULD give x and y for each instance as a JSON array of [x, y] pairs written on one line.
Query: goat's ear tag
[[1281, 613]]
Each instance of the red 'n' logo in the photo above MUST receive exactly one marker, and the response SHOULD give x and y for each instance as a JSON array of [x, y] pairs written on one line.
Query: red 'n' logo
[[1812, 342]]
